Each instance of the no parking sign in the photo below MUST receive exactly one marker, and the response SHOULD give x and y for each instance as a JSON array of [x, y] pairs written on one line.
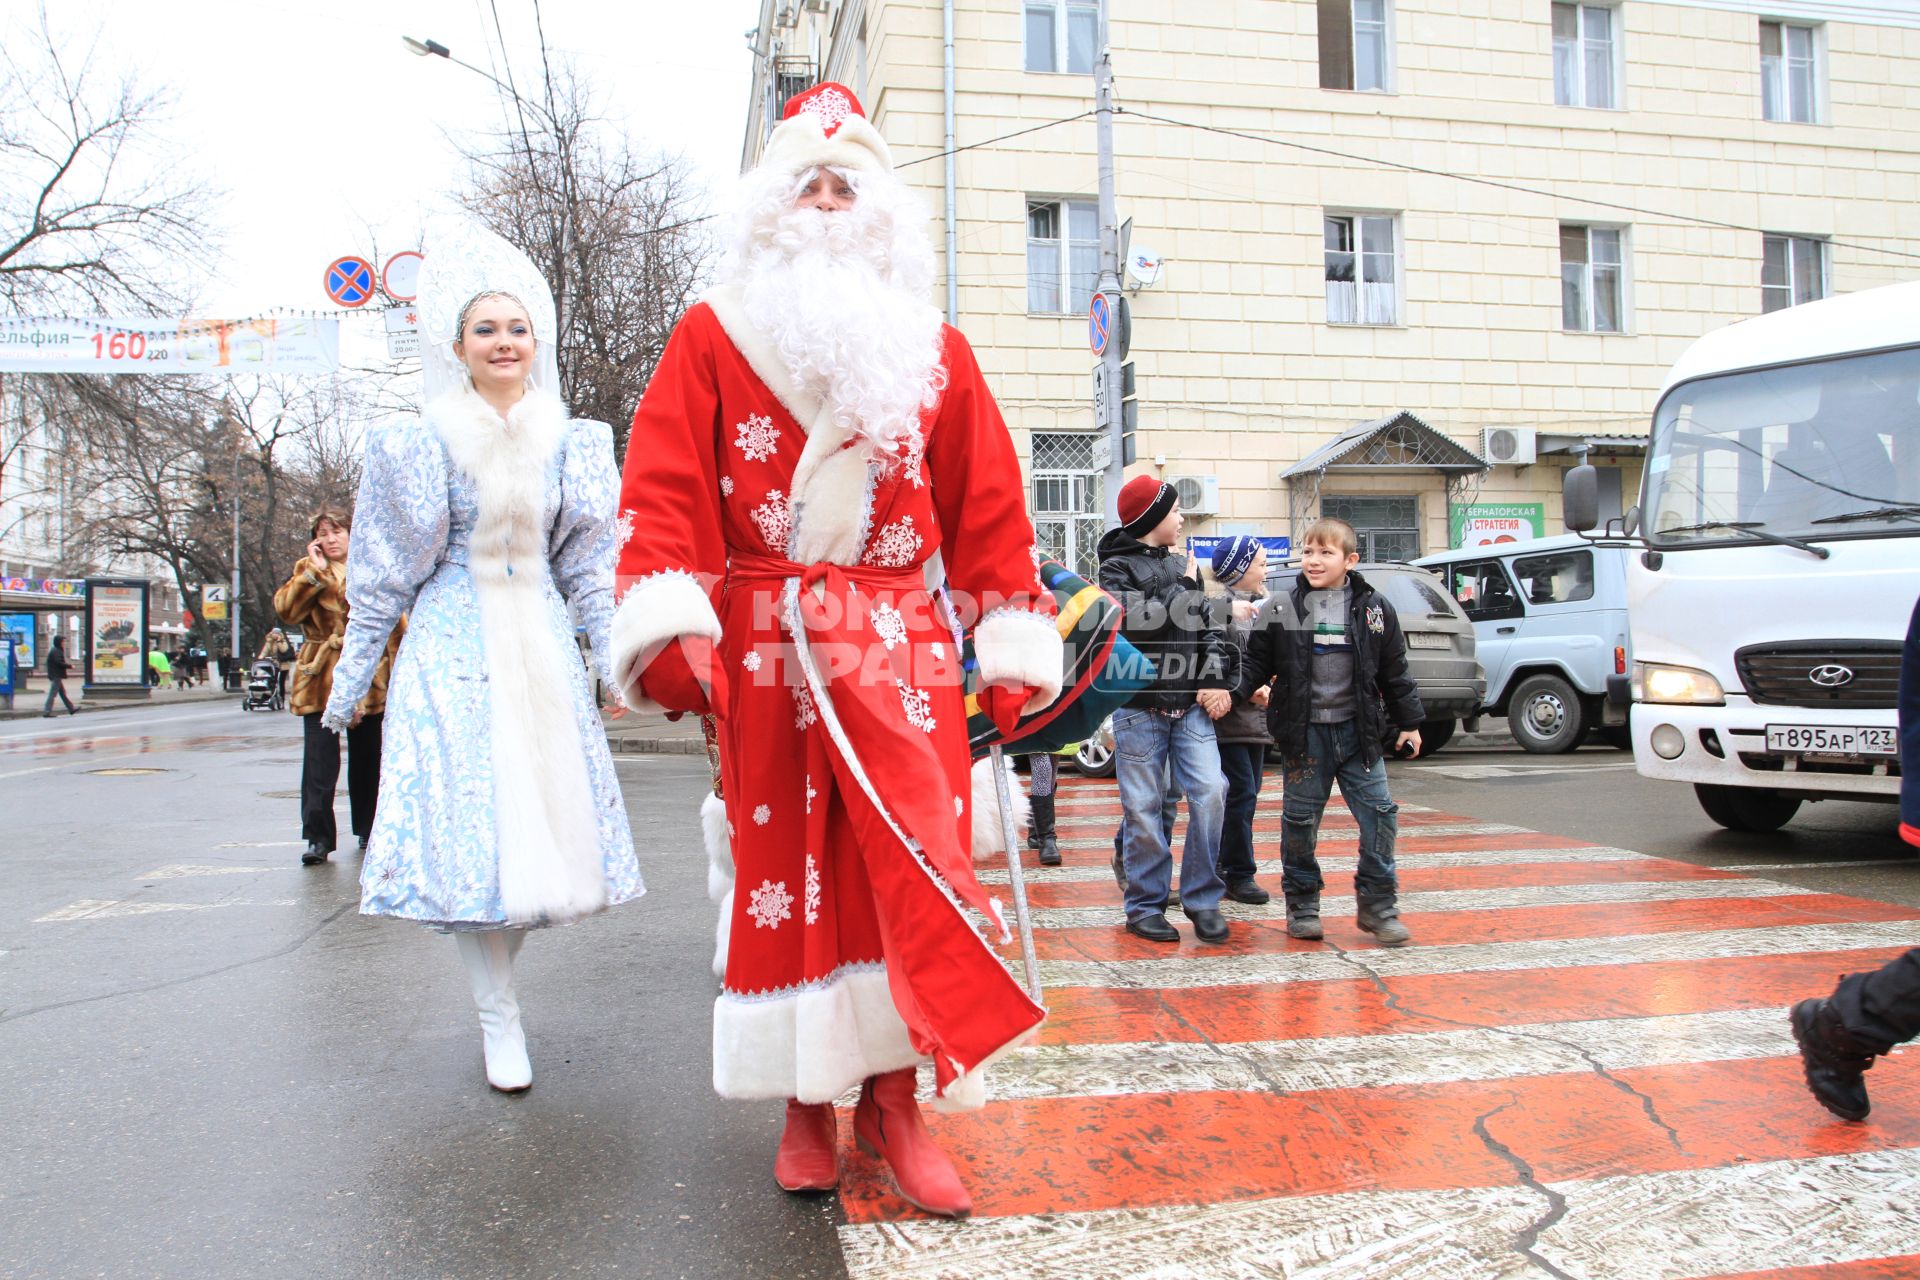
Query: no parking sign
[[350, 281]]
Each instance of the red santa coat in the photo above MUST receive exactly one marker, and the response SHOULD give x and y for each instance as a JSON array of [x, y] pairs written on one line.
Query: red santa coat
[[859, 941]]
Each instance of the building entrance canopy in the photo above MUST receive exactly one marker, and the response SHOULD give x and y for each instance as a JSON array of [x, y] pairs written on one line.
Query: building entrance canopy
[[1398, 444]]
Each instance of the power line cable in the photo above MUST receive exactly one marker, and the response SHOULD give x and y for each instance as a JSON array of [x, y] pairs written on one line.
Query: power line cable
[[1488, 182], [973, 146]]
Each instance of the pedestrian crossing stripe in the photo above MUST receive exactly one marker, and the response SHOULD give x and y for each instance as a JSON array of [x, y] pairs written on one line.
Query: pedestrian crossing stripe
[[1581, 1068]]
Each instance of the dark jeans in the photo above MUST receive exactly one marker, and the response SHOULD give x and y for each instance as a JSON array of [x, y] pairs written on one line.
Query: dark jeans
[[320, 773], [57, 688], [1245, 764], [1336, 751], [1882, 1009]]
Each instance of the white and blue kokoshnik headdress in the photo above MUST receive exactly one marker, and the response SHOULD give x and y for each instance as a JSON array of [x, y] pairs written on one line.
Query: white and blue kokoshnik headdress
[[462, 258]]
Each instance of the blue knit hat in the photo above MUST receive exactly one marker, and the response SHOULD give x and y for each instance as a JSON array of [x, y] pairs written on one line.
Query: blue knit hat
[[1232, 556]]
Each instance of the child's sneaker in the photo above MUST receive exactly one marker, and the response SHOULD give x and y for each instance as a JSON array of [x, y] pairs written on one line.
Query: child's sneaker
[[1303, 918], [1381, 918]]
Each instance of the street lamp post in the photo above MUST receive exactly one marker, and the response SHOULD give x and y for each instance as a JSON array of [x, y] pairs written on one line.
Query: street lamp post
[[433, 48]]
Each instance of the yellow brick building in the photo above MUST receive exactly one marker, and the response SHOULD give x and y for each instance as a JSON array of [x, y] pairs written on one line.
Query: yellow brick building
[[1439, 219]]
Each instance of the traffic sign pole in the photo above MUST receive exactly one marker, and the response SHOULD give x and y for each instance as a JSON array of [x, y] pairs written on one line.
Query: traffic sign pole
[[1107, 412]]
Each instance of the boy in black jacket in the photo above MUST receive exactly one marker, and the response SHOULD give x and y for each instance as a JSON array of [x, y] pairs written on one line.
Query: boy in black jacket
[[1168, 726], [1333, 649]]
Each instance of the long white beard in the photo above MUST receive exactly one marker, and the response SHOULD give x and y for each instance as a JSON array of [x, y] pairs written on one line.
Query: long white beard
[[852, 335]]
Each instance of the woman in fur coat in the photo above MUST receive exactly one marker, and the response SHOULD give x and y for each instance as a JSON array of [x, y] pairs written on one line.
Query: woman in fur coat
[[484, 519]]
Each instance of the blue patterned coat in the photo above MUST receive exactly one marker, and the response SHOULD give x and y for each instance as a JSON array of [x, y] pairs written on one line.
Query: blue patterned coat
[[498, 800]]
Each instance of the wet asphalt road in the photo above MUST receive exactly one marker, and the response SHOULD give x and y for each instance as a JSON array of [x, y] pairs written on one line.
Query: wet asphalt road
[[219, 1069]]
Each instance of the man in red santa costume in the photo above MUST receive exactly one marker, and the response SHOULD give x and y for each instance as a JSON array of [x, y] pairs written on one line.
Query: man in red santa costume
[[815, 452]]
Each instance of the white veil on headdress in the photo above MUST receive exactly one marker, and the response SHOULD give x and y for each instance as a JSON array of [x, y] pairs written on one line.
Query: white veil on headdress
[[463, 258]]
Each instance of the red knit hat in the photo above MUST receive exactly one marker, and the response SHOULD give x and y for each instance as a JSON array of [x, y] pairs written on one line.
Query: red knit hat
[[1144, 503]]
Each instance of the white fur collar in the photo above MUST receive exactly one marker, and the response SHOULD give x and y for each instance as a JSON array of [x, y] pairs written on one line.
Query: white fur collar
[[466, 421], [830, 495]]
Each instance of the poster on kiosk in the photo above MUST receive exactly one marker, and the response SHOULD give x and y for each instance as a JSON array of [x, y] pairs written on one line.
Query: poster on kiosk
[[116, 633]]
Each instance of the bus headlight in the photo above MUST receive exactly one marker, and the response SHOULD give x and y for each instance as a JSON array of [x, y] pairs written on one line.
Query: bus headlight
[[1659, 682]]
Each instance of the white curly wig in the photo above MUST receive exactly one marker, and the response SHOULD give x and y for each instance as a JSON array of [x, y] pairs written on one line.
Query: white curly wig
[[844, 297]]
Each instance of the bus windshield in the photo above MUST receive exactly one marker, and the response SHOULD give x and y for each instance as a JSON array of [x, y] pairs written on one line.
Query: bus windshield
[[1818, 451]]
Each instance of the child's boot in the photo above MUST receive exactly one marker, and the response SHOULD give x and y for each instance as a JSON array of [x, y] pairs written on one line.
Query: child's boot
[[1303, 917], [1834, 1061], [1040, 835], [1380, 916]]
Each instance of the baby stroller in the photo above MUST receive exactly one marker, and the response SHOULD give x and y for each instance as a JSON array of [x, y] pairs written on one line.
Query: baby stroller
[[263, 687]]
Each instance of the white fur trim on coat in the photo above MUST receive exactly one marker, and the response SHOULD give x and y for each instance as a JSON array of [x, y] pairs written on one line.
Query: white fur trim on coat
[[812, 1043], [830, 496], [713, 821], [1015, 646], [546, 828], [988, 839], [660, 607], [800, 143]]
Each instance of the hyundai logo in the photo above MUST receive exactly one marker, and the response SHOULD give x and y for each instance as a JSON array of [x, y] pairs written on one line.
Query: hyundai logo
[[1831, 676]]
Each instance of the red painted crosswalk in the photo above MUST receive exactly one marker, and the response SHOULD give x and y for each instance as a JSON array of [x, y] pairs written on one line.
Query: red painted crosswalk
[[1582, 1067]]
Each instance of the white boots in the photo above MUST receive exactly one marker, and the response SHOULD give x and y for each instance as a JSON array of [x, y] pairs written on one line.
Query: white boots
[[489, 957]]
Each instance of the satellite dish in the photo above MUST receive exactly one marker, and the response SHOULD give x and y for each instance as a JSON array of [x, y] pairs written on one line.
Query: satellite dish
[[1143, 266]]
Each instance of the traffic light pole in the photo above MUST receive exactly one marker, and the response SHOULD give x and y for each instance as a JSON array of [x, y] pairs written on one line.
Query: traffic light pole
[[1109, 425]]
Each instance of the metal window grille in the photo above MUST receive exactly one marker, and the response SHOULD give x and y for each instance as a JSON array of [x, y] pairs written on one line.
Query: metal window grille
[[1388, 527], [1068, 502]]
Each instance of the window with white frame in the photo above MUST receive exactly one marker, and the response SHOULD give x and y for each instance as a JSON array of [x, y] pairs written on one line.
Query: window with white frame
[[1586, 55], [1363, 275], [1355, 49], [1063, 255], [1068, 504], [1592, 279], [1062, 35], [1788, 77], [1793, 270]]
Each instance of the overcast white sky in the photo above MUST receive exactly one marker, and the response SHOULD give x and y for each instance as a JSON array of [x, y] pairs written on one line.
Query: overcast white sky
[[317, 122]]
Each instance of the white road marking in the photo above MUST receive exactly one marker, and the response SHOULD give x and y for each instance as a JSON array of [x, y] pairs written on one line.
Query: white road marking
[[1339, 834], [1477, 957], [120, 723], [1339, 864], [21, 773], [261, 844], [1662, 1226], [1479, 772], [1821, 866], [1501, 899], [1387, 1061], [98, 909], [184, 870]]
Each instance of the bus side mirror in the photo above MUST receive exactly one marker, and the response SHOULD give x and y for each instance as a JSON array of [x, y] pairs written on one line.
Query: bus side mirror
[[1630, 522], [1580, 498]]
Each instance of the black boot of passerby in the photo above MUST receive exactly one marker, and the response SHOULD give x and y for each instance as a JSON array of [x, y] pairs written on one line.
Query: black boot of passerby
[[1303, 917], [1380, 916], [1040, 835], [1834, 1061]]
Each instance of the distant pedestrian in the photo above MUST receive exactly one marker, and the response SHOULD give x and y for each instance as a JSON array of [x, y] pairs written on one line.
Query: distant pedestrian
[[1869, 1013], [1240, 565], [1169, 724], [159, 669], [1338, 662], [315, 598], [57, 667], [275, 647], [1043, 777]]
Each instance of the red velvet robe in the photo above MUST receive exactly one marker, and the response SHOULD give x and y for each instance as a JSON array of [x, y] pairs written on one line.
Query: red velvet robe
[[859, 935]]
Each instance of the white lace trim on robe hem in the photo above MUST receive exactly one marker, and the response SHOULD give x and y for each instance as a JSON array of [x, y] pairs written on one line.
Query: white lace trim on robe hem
[[812, 1042], [661, 606], [1021, 646]]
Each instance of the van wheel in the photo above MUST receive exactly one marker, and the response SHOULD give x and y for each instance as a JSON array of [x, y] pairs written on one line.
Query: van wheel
[[1546, 716], [1435, 734], [1094, 757], [1746, 808]]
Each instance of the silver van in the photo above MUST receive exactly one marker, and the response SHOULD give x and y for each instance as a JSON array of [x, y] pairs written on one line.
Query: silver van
[[1550, 615]]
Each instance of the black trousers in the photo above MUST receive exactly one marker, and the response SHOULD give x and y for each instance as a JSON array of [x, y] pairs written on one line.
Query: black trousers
[[320, 774], [1245, 764], [1882, 1009]]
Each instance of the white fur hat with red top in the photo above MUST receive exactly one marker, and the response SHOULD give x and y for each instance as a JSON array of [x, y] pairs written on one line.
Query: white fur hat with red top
[[825, 128]]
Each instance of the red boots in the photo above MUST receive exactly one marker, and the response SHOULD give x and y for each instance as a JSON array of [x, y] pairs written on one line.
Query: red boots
[[887, 1123], [807, 1159]]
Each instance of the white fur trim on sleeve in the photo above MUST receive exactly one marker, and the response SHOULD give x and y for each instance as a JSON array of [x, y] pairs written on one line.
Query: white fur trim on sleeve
[[1016, 646], [988, 836], [659, 607]]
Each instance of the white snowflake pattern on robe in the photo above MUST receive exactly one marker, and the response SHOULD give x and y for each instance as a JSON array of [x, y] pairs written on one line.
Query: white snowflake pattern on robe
[[804, 715], [912, 454], [895, 546], [939, 650], [758, 437], [762, 816], [774, 518], [770, 904], [918, 705], [726, 486], [889, 625], [811, 793], [751, 660], [959, 807], [813, 890]]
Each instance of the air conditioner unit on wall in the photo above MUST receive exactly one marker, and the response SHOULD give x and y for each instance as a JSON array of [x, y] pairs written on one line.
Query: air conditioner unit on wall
[[1198, 495], [814, 6], [1510, 446]]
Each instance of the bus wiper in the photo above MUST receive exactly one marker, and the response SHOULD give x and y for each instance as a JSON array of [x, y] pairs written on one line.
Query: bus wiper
[[1755, 530], [1898, 511]]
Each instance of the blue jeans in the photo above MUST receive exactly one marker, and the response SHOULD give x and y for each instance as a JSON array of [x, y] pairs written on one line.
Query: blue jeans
[[57, 688], [1335, 751], [1146, 745], [1169, 813], [1245, 766]]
